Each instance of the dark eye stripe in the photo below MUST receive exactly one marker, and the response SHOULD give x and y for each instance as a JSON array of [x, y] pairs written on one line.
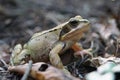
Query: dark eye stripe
[[65, 30]]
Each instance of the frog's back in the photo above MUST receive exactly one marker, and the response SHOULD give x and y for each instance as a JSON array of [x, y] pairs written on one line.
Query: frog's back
[[42, 42]]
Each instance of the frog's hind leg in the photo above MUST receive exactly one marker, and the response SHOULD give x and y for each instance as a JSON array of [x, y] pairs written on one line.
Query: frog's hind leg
[[55, 59]]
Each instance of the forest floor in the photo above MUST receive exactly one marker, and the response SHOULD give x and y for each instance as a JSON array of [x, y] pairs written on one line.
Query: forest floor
[[20, 19]]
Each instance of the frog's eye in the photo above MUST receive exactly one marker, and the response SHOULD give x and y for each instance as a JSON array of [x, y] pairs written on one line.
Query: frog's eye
[[74, 23]]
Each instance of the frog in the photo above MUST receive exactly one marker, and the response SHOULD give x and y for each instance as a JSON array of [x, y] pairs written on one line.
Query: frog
[[48, 45]]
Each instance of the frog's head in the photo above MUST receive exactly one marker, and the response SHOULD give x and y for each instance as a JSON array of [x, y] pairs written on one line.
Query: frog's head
[[74, 29]]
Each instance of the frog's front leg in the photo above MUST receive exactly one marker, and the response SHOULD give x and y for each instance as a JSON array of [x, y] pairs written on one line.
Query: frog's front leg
[[79, 51], [55, 59]]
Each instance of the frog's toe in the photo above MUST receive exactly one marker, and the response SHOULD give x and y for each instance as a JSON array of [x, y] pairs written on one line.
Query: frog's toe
[[83, 53]]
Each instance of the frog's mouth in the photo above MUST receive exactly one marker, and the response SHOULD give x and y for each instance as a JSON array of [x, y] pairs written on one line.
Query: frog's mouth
[[76, 33]]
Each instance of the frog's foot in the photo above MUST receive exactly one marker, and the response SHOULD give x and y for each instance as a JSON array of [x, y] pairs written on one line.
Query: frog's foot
[[80, 52], [84, 53], [16, 51], [19, 55]]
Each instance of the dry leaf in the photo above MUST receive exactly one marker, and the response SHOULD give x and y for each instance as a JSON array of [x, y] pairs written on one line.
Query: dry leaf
[[43, 71]]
